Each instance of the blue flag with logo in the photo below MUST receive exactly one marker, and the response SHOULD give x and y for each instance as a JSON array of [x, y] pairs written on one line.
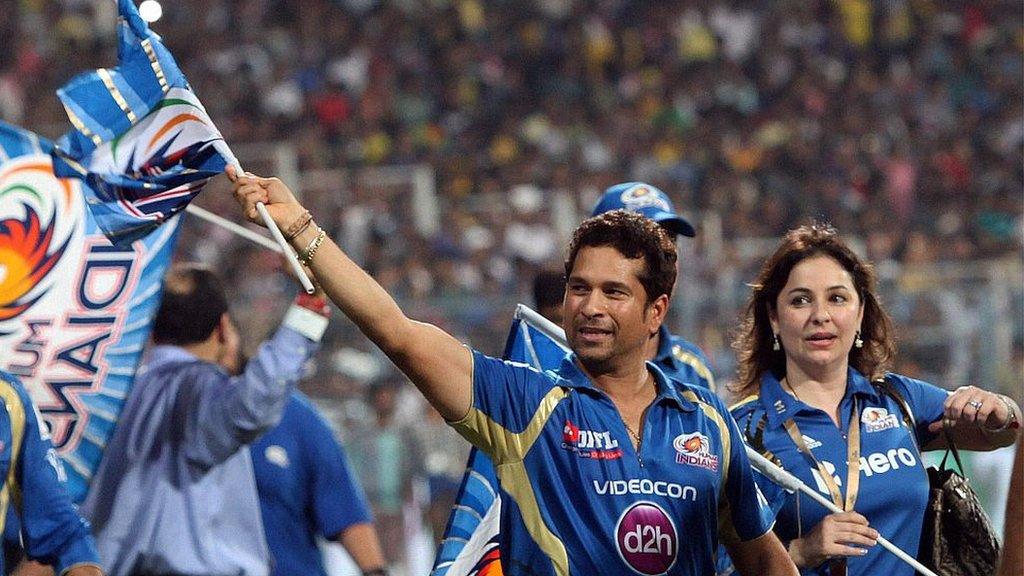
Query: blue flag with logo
[[75, 310], [472, 541], [142, 141]]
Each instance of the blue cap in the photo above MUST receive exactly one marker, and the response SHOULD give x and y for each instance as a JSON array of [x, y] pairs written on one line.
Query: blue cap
[[647, 200]]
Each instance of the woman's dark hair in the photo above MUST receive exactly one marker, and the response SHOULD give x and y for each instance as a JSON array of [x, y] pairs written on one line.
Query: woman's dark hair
[[192, 304], [754, 340], [634, 236]]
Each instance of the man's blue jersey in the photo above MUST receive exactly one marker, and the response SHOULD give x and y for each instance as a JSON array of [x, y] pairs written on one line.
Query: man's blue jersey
[[682, 360], [306, 488], [578, 499], [48, 524], [893, 488]]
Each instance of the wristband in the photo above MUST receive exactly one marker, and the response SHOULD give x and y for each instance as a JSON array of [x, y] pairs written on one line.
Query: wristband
[[314, 303], [310, 324], [298, 225]]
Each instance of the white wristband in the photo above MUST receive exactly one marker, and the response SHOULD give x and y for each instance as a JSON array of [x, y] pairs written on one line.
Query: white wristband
[[306, 322]]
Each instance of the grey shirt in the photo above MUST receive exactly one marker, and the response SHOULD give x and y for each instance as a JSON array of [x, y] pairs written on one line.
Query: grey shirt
[[175, 491]]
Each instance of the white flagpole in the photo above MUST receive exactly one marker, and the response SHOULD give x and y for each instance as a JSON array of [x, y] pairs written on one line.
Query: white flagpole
[[765, 466], [233, 227], [293, 260]]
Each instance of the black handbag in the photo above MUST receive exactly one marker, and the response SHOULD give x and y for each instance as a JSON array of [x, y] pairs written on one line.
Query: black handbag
[[957, 537]]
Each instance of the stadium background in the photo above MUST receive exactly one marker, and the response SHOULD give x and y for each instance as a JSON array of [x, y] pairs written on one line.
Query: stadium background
[[451, 146]]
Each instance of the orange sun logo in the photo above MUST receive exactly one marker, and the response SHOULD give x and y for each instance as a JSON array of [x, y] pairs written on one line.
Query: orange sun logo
[[25, 260]]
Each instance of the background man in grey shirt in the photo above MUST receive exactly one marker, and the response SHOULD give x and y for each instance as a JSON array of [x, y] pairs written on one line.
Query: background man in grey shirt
[[175, 493]]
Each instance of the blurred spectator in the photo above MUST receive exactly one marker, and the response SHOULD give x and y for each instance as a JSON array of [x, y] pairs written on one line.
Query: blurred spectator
[[386, 455], [175, 492], [548, 293], [306, 490]]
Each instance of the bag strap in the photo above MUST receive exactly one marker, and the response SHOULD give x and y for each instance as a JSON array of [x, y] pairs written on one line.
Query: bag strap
[[892, 391]]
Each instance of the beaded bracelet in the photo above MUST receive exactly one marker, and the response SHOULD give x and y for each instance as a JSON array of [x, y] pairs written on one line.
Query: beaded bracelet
[[1011, 419], [298, 226], [306, 256]]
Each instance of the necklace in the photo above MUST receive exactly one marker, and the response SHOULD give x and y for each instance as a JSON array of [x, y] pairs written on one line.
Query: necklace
[[791, 389], [636, 437], [633, 434]]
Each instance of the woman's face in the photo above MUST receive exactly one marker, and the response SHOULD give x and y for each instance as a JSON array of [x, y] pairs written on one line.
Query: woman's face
[[817, 315]]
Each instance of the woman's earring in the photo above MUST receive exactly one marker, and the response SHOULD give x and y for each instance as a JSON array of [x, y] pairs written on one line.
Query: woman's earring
[[857, 342], [775, 343]]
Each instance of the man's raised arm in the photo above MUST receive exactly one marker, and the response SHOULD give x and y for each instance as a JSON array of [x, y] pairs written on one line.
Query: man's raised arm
[[439, 365]]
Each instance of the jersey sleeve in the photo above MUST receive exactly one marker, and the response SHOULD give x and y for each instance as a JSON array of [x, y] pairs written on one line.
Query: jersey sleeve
[[744, 512], [926, 403], [511, 403], [52, 530], [338, 499]]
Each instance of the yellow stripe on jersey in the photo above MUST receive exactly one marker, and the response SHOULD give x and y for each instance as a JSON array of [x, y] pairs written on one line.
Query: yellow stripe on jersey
[[507, 449], [725, 526], [516, 482], [16, 414], [744, 402], [694, 361]]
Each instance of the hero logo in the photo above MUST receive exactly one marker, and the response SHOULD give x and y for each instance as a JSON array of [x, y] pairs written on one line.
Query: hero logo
[[695, 449], [874, 463], [878, 419], [646, 539], [590, 444]]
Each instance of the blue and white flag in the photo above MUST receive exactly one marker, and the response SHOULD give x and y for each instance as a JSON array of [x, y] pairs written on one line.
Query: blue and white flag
[[472, 540], [75, 310], [142, 141]]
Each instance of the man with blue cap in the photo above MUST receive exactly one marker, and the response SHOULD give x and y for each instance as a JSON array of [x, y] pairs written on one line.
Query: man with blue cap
[[679, 358]]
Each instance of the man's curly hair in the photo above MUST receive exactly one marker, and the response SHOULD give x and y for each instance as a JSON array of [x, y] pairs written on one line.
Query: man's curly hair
[[635, 237]]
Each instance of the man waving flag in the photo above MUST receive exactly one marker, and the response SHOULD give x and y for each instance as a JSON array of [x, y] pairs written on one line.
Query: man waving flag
[[142, 141]]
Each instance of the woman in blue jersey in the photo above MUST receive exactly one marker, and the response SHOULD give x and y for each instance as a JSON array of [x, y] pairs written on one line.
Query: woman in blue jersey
[[814, 352]]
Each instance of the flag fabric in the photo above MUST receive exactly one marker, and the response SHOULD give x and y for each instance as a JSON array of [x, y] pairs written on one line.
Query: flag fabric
[[75, 310], [142, 141], [472, 540]]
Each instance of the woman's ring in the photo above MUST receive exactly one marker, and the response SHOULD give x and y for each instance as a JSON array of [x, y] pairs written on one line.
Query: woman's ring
[[976, 404]]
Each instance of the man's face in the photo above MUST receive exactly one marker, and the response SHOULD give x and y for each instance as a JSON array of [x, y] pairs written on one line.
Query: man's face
[[607, 317]]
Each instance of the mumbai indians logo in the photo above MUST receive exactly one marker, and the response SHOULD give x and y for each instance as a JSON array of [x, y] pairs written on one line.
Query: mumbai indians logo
[[31, 242], [695, 449], [490, 563], [640, 196], [878, 419]]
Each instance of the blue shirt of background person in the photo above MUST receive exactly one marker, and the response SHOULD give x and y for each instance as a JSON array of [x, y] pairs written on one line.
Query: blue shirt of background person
[[659, 510], [305, 487], [175, 493], [814, 349], [37, 512], [679, 358]]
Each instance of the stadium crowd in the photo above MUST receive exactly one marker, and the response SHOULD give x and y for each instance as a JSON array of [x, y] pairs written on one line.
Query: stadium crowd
[[899, 122]]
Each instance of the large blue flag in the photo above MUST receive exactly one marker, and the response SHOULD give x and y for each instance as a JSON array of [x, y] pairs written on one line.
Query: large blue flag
[[472, 541], [142, 141], [75, 310]]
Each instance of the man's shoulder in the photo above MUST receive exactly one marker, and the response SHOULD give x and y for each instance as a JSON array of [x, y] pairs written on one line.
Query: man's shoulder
[[681, 345], [690, 356]]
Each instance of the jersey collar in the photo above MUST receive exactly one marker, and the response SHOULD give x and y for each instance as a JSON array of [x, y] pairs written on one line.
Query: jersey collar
[[664, 355], [780, 405], [668, 391]]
